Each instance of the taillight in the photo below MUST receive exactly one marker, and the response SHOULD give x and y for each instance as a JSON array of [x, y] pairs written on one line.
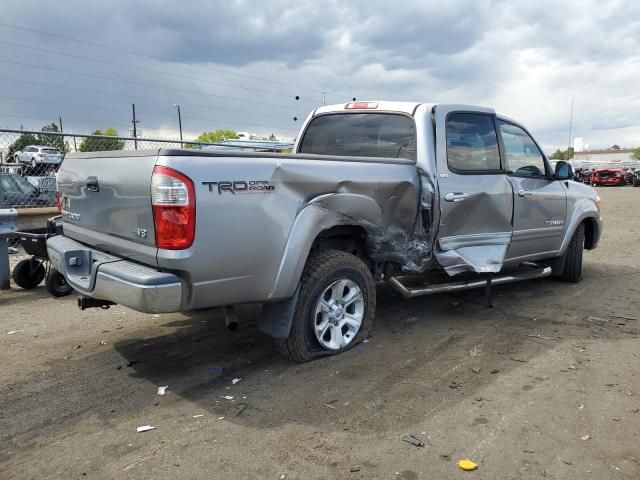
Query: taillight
[[173, 201], [58, 202]]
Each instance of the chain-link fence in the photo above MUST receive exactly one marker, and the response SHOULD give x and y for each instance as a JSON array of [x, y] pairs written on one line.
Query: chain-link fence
[[29, 161]]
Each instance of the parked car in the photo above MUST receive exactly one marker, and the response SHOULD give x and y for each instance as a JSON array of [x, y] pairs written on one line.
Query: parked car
[[16, 191], [38, 157], [374, 191], [608, 174], [636, 178]]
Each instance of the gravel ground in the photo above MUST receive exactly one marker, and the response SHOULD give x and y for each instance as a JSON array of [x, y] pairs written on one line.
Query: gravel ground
[[544, 385]]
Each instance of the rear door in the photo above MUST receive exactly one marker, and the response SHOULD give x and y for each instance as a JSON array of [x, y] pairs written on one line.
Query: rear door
[[476, 198], [540, 206]]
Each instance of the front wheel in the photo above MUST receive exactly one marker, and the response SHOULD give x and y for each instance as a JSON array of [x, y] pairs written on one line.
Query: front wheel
[[572, 271], [335, 308]]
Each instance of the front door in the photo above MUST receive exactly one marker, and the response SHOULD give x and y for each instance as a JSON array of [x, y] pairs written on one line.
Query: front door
[[540, 201], [476, 198]]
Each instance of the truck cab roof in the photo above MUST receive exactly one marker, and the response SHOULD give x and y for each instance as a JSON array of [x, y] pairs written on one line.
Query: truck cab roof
[[385, 106]]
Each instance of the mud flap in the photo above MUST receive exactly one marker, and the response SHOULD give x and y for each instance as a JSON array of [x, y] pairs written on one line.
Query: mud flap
[[277, 317]]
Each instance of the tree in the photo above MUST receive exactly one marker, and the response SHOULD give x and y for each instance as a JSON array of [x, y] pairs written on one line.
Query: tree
[[272, 137], [562, 154], [54, 141], [615, 147], [102, 144], [217, 136], [636, 154]]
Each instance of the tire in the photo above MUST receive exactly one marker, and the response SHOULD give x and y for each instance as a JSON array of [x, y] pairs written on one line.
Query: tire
[[572, 271], [57, 285], [636, 182], [28, 274], [331, 274]]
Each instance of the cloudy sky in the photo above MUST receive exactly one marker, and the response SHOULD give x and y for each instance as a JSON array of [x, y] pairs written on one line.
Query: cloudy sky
[[240, 64]]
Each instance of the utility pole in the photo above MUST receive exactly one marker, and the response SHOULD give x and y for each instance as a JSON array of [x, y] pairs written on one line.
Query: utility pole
[[60, 119], [135, 130], [177, 105], [324, 102], [570, 127]]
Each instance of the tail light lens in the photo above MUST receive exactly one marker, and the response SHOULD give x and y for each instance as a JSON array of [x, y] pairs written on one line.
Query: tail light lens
[[173, 201], [58, 202]]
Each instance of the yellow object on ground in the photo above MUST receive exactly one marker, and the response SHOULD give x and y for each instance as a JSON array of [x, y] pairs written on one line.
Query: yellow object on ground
[[467, 464]]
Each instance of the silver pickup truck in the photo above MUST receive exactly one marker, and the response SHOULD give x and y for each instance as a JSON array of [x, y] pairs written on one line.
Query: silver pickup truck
[[428, 198]]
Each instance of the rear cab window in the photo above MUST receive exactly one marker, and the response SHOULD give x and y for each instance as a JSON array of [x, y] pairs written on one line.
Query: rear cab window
[[380, 135], [472, 144]]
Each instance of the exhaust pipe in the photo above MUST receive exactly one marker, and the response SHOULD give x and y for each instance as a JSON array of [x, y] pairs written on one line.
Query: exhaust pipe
[[534, 271], [231, 318]]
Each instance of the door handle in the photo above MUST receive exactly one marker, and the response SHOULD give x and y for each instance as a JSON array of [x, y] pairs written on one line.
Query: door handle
[[524, 193], [455, 197]]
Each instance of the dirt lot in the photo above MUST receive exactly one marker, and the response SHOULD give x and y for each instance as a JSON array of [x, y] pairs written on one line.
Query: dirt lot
[[544, 385]]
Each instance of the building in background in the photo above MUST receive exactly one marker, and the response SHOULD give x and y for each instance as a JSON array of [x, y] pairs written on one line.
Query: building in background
[[605, 155]]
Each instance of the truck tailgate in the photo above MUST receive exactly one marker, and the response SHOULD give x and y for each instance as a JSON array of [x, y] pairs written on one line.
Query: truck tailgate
[[106, 202]]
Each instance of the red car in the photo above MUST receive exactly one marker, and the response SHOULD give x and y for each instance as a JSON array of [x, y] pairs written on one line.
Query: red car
[[610, 174]]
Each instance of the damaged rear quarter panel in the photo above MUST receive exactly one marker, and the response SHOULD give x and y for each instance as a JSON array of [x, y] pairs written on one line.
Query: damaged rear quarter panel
[[253, 246]]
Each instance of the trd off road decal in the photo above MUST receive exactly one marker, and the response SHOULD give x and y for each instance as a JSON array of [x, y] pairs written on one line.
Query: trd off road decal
[[241, 187]]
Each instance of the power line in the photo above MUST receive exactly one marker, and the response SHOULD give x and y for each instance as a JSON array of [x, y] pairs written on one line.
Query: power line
[[93, 107], [149, 70], [153, 99], [197, 92], [130, 52]]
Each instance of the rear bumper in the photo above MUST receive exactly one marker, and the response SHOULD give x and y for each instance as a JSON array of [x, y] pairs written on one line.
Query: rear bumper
[[106, 277]]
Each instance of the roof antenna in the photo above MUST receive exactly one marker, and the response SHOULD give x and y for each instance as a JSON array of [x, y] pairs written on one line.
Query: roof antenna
[[570, 126]]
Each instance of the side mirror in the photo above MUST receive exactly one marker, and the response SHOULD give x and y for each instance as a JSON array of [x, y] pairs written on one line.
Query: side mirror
[[564, 171]]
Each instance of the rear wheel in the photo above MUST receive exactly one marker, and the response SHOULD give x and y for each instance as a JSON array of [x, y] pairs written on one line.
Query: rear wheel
[[335, 307], [29, 273], [57, 285], [572, 271]]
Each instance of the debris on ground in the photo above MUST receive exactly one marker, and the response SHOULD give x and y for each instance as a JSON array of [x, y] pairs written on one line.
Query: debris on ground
[[494, 371], [521, 360], [11, 332], [198, 416], [227, 397], [476, 369], [103, 342], [215, 369], [145, 428], [360, 349], [162, 390], [624, 318], [354, 469], [586, 437], [466, 464], [235, 380], [413, 440]]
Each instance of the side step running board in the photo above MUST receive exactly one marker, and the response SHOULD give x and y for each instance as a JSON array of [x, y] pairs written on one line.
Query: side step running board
[[531, 271]]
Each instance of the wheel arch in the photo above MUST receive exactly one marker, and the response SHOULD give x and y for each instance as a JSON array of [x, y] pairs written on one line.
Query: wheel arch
[[341, 221]]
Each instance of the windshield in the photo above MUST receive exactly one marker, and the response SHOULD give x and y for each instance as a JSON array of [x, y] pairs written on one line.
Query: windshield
[[17, 184], [383, 135]]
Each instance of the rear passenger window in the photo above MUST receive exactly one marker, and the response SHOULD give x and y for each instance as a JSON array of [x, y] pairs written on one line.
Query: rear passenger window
[[472, 143]]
